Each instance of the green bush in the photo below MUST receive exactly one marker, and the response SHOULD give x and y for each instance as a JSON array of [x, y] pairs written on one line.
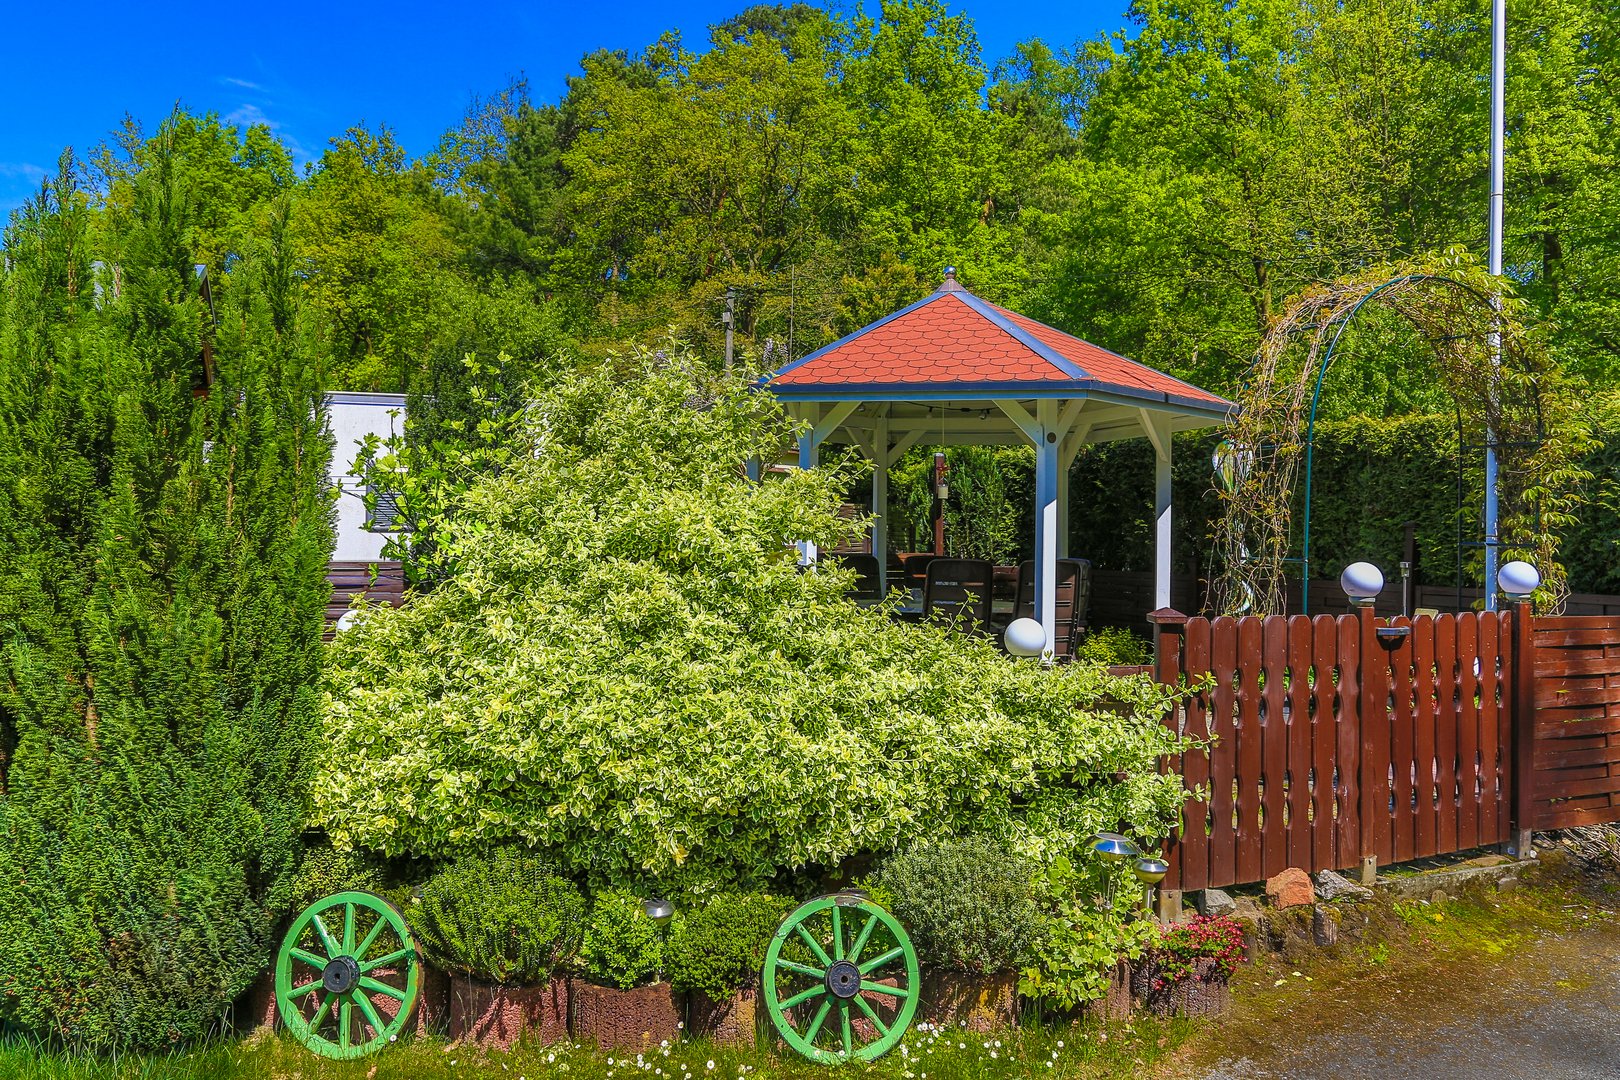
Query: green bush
[[504, 919], [627, 671], [1114, 645], [720, 947], [325, 871], [622, 946], [967, 903], [163, 583]]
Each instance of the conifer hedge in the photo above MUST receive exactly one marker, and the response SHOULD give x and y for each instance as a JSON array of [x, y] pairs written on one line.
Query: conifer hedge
[[162, 554]]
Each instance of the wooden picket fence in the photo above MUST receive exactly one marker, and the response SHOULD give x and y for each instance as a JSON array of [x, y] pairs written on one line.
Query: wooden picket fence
[[1575, 746], [1334, 738]]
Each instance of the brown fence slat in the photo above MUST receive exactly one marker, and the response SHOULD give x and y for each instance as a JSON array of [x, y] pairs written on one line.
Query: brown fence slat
[[1323, 635], [1445, 730], [1269, 639], [1306, 782], [1255, 825], [1467, 730], [1403, 822], [1426, 795], [1224, 804], [1347, 737], [1490, 831]]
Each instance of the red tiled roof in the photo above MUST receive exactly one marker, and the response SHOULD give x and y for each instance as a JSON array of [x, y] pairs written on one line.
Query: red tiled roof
[[953, 339]]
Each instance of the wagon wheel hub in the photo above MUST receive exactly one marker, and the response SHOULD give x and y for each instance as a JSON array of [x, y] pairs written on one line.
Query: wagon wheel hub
[[341, 975], [843, 980]]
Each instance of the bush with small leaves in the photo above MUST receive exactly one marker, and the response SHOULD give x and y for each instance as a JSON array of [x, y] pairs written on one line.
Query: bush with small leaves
[[623, 947], [719, 948], [967, 903], [503, 919]]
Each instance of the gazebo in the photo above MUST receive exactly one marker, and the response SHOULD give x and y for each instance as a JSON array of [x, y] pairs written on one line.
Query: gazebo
[[954, 369]]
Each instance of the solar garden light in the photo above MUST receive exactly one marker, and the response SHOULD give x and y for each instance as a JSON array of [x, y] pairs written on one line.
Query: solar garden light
[[1518, 579], [659, 910], [1149, 871], [1111, 848], [1362, 582]]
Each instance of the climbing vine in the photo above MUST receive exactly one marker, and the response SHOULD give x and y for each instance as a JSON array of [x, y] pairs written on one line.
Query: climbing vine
[[1517, 396]]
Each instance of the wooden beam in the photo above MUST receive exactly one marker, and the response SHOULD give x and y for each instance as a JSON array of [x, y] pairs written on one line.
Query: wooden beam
[[1020, 416], [829, 423]]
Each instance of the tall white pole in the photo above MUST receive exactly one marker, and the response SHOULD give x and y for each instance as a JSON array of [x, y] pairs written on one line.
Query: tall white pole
[[1498, 134]]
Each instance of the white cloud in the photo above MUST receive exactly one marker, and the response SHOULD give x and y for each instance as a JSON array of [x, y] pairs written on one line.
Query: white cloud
[[247, 114], [22, 170], [243, 83]]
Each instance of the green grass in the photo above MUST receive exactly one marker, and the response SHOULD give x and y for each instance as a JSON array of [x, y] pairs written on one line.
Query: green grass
[[1077, 1052]]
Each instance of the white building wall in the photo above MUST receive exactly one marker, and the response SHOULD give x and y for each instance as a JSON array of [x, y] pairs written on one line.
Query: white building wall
[[351, 418]]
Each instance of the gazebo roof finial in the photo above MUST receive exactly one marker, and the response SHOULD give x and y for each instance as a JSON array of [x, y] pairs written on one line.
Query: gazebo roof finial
[[950, 285]]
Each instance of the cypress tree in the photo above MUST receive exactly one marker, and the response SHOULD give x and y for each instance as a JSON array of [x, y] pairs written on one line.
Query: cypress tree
[[162, 554]]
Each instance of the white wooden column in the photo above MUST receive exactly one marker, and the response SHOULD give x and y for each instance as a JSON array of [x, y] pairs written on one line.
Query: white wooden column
[[823, 425], [1157, 426], [1046, 516], [809, 458], [880, 500]]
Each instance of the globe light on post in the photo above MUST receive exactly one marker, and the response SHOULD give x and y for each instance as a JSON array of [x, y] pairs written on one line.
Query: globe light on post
[[1518, 579], [1025, 637], [1362, 582]]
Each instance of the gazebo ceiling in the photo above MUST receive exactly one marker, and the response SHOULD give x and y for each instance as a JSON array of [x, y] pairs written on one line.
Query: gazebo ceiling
[[952, 346]]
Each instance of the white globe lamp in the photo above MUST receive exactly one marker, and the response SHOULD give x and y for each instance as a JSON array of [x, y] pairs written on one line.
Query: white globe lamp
[[1518, 579], [1025, 637], [347, 620], [1362, 582]]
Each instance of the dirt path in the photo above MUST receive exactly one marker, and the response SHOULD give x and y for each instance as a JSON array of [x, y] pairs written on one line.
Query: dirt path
[[1540, 1006]]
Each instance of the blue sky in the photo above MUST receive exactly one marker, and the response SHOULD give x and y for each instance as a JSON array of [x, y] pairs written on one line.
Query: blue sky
[[311, 70]]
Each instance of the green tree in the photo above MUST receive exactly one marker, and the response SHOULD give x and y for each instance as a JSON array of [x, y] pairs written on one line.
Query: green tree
[[162, 557]]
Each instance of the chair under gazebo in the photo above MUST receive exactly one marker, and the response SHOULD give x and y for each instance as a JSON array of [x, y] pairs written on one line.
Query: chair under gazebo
[[955, 369]]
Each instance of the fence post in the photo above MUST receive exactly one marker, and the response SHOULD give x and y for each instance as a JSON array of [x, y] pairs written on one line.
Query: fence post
[[1524, 729], [1168, 627]]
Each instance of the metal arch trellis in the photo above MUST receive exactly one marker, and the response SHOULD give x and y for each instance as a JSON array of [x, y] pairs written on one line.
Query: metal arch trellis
[[1456, 315]]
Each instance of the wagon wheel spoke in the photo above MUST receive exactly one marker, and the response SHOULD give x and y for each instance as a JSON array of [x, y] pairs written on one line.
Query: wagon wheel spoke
[[878, 961], [815, 1025], [871, 1014], [801, 969], [301, 991], [800, 999], [327, 943], [320, 1013], [316, 962], [838, 932], [370, 1012], [849, 1037], [878, 988], [815, 946], [862, 939], [373, 986], [348, 929], [344, 1017], [370, 939], [383, 961]]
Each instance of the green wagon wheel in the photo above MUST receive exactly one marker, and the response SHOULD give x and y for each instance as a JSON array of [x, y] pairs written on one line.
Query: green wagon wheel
[[840, 979], [347, 975]]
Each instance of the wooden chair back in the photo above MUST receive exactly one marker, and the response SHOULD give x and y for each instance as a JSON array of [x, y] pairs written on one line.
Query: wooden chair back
[[958, 591], [1073, 602], [868, 580]]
